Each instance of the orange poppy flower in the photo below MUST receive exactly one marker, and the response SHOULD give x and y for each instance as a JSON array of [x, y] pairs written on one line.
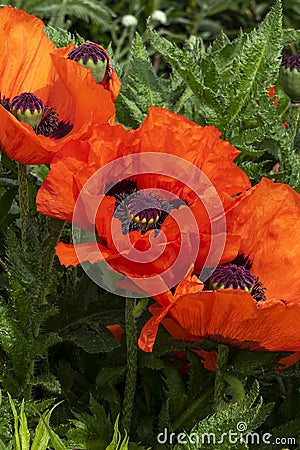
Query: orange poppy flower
[[256, 301], [37, 83], [151, 192]]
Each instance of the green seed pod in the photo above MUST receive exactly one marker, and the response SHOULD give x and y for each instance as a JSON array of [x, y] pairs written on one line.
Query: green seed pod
[[28, 108], [91, 55], [290, 77]]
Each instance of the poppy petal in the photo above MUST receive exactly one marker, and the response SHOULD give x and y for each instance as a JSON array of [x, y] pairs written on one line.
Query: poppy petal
[[25, 62], [266, 218], [233, 317]]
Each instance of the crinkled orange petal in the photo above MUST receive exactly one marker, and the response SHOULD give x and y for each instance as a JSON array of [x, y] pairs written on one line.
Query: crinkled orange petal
[[149, 331], [188, 285], [77, 97], [234, 318], [25, 62], [148, 334], [161, 258], [267, 219], [113, 85], [72, 255], [19, 141], [55, 198], [177, 231], [164, 131], [72, 167], [119, 254]]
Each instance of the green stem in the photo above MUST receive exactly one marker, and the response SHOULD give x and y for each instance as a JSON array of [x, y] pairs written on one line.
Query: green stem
[[220, 383], [150, 6], [23, 201], [191, 409], [131, 374], [120, 43]]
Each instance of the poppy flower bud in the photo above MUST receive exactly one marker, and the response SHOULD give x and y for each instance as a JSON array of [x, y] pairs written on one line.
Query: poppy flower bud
[[90, 55], [28, 108], [290, 77]]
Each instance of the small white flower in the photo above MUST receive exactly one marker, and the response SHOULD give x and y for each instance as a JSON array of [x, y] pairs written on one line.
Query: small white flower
[[129, 21], [160, 16]]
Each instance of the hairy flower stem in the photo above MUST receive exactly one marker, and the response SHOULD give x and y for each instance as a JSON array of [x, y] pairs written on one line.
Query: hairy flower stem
[[131, 374], [23, 201], [220, 382], [179, 422]]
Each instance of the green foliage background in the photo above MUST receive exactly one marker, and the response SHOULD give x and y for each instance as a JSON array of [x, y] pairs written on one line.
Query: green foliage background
[[54, 344]]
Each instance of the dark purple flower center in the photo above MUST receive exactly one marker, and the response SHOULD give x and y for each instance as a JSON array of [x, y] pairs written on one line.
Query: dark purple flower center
[[144, 209], [89, 55], [237, 275], [292, 62], [27, 101], [139, 210], [88, 51], [232, 276], [48, 124]]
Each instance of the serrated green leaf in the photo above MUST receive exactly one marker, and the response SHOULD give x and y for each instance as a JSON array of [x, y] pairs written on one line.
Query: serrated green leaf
[[217, 427], [290, 36], [55, 439], [3, 446], [48, 382], [6, 200], [235, 388], [61, 37], [142, 87], [150, 361], [91, 336], [221, 42], [225, 55], [260, 58], [190, 71], [125, 107], [294, 162]]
